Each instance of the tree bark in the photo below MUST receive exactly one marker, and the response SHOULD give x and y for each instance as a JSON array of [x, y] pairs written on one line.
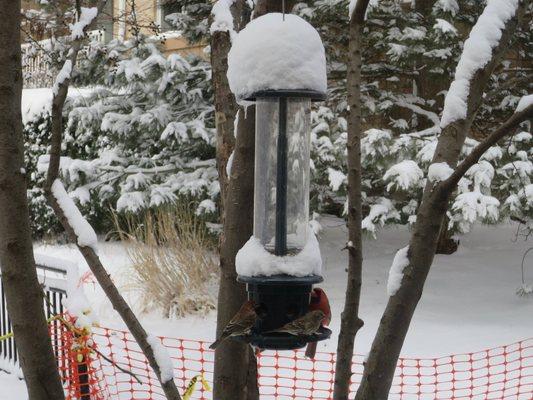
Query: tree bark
[[89, 254], [428, 86], [224, 101], [24, 295], [446, 244], [381, 364], [350, 321], [232, 358], [235, 374], [225, 109]]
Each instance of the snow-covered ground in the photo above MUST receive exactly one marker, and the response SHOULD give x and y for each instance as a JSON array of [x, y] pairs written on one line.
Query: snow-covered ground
[[11, 388], [35, 101], [469, 302]]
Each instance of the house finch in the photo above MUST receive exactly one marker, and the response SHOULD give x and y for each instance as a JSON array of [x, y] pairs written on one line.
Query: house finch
[[319, 301], [303, 326], [240, 324]]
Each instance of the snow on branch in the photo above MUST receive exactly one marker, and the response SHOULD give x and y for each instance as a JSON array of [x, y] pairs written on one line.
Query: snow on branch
[[419, 110], [404, 175], [62, 76], [87, 16], [380, 213], [438, 172], [450, 6], [336, 179], [477, 53], [401, 260], [445, 27], [164, 362], [524, 103], [83, 230], [222, 17], [472, 206]]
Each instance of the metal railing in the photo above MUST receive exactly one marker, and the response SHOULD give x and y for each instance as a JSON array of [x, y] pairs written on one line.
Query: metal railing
[[53, 279]]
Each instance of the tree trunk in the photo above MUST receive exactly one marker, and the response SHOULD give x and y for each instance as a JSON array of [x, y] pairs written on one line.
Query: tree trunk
[[446, 244], [225, 105], [225, 109], [24, 295], [428, 86], [232, 358], [350, 321], [381, 364], [235, 374]]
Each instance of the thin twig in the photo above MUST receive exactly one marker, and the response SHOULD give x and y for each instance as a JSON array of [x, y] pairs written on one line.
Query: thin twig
[[116, 365]]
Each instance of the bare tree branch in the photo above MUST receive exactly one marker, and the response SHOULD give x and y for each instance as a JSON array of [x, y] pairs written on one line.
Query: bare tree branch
[[359, 12], [92, 259], [350, 321], [58, 103]]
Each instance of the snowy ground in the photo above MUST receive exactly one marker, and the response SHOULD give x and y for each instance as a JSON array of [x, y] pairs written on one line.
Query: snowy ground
[[11, 388], [469, 303]]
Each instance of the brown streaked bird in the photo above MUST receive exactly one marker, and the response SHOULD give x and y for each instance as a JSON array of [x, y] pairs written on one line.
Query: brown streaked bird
[[307, 325], [240, 324]]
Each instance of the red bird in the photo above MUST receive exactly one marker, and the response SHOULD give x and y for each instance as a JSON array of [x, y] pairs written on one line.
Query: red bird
[[241, 324], [319, 301]]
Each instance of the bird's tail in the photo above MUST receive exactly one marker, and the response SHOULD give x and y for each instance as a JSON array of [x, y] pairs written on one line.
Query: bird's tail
[[310, 351], [215, 344]]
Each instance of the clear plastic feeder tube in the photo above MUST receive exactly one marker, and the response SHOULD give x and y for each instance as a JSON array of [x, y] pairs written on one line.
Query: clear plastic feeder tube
[[282, 151]]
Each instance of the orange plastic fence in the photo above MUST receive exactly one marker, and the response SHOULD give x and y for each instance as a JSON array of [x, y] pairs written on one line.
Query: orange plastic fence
[[79, 365], [503, 373]]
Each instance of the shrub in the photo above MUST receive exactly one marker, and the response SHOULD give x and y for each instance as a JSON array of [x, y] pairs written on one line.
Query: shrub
[[174, 260]]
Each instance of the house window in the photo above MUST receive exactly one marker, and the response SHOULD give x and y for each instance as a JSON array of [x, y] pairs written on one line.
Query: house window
[[165, 8]]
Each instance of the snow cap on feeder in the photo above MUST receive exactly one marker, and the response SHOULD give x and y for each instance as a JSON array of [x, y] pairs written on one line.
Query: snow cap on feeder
[[278, 62], [277, 52]]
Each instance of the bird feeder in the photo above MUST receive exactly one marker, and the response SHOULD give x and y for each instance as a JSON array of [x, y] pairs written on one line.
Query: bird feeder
[[282, 74]]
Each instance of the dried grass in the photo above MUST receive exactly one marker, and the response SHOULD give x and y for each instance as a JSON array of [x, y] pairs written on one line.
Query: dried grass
[[173, 260]]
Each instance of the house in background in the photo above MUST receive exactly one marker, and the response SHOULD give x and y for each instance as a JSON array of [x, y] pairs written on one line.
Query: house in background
[[118, 21], [151, 18]]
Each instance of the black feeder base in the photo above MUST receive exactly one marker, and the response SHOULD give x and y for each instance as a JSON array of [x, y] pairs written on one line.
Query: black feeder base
[[282, 299], [283, 341]]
